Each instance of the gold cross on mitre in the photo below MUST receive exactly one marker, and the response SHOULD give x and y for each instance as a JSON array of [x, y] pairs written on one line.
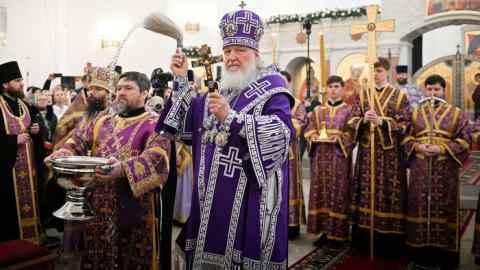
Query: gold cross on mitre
[[372, 27], [242, 4]]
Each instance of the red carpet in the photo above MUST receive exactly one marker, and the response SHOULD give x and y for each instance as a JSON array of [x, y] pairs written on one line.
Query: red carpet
[[359, 261], [349, 259]]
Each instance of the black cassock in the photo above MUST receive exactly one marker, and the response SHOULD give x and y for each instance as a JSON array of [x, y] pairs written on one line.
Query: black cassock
[[8, 154]]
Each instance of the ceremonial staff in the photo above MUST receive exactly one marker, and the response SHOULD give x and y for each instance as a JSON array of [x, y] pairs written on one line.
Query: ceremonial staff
[[430, 166], [372, 27]]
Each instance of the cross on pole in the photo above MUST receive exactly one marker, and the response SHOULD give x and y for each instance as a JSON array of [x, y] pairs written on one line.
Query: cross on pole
[[207, 60], [371, 28], [242, 5]]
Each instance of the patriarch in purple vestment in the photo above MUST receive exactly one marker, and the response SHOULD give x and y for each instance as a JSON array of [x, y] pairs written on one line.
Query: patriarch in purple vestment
[[240, 139]]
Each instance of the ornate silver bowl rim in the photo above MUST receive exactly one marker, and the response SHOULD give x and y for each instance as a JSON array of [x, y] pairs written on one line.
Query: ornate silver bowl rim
[[77, 164]]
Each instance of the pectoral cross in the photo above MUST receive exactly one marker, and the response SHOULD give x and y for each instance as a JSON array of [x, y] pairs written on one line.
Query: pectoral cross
[[207, 60], [371, 28]]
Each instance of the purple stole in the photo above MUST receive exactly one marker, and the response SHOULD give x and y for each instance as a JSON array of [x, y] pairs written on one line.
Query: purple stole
[[24, 175]]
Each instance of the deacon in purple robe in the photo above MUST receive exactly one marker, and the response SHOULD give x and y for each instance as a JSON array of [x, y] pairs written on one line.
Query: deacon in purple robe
[[330, 160], [123, 233], [296, 205], [240, 139], [437, 145]]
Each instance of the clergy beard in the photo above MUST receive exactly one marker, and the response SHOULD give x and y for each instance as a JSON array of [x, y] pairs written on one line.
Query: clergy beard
[[121, 106], [402, 81], [239, 80], [95, 105], [14, 93]]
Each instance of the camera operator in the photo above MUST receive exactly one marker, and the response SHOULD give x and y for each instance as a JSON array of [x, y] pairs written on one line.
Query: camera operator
[[159, 80]]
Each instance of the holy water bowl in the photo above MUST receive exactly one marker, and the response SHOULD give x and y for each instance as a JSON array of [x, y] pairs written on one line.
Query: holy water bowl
[[76, 174]]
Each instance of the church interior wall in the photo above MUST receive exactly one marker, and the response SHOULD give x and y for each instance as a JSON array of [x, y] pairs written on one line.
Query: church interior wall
[[61, 36]]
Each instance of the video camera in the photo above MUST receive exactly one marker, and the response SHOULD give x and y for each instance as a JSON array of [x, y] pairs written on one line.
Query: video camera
[[159, 80]]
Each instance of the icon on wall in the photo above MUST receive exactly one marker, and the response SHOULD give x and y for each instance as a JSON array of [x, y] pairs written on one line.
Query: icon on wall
[[440, 6]]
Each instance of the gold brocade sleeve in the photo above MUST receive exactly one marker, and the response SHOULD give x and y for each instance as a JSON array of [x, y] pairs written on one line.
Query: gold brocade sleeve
[[299, 116], [82, 137], [409, 142], [356, 118], [184, 158], [395, 125], [459, 146], [148, 170], [310, 129]]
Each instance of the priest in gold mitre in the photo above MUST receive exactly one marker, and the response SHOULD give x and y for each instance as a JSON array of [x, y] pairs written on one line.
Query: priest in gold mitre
[[437, 145], [390, 115]]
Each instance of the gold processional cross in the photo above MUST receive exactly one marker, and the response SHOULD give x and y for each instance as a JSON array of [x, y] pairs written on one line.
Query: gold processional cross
[[371, 28]]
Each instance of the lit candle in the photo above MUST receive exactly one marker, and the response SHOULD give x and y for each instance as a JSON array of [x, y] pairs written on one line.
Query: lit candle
[[323, 63], [323, 71], [274, 48]]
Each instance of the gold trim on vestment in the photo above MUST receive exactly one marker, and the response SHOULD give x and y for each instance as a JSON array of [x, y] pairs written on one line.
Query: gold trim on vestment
[[379, 230], [328, 211], [96, 130], [399, 100], [29, 222], [295, 202], [378, 213], [336, 238]]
